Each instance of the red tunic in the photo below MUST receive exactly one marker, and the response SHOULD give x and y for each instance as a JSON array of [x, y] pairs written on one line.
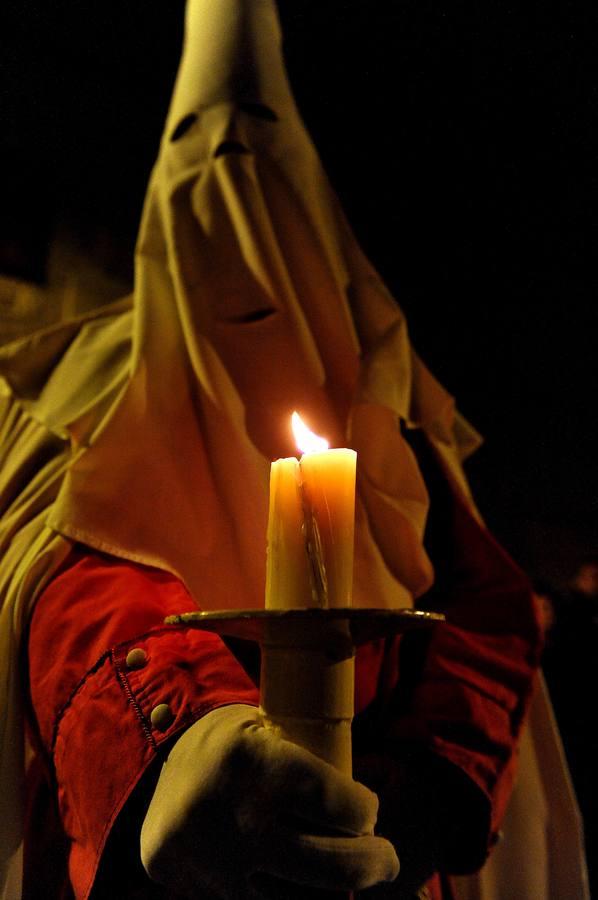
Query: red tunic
[[458, 693]]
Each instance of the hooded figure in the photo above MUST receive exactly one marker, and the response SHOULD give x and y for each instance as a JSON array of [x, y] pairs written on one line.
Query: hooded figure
[[146, 430]]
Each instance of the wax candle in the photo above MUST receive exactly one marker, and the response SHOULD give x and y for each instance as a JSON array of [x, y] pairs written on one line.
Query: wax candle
[[311, 525], [307, 678]]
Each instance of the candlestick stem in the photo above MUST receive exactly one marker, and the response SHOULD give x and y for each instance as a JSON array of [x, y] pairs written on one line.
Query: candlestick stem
[[306, 693]]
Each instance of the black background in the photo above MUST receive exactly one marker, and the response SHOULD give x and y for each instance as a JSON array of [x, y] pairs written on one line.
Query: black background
[[461, 143]]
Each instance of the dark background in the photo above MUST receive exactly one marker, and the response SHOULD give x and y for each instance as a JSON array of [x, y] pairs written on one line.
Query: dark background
[[460, 142]]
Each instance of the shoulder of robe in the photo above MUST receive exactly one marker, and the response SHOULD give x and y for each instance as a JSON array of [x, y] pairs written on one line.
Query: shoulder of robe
[[58, 373]]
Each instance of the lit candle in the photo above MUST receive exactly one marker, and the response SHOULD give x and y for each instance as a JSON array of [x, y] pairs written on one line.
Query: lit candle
[[311, 525], [307, 690]]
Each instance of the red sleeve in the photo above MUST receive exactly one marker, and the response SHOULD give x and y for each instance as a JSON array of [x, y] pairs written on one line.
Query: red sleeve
[[110, 686], [464, 688]]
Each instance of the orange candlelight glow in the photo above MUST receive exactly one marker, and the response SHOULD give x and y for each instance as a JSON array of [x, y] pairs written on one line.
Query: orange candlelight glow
[[306, 440]]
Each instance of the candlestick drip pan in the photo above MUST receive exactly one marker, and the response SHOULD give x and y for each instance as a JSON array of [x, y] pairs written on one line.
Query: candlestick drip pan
[[258, 625]]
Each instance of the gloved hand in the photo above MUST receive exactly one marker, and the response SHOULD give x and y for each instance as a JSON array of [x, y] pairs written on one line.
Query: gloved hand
[[234, 801]]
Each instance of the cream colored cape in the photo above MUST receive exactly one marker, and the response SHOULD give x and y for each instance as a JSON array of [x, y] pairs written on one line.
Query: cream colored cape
[[147, 430]]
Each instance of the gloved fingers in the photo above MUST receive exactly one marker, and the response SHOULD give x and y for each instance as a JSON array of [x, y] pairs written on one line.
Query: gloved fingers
[[236, 750], [331, 863], [312, 790]]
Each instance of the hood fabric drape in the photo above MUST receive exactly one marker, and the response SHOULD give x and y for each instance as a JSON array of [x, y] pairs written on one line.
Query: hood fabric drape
[[152, 423]]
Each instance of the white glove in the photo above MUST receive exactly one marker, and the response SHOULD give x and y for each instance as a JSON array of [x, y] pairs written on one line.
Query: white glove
[[234, 801]]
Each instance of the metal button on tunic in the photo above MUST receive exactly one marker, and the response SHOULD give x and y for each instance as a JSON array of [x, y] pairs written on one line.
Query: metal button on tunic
[[161, 717], [136, 658]]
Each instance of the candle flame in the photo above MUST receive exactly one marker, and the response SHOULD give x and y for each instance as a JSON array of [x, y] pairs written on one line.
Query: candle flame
[[306, 440]]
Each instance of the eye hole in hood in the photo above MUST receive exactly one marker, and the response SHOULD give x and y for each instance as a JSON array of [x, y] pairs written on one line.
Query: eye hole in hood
[[259, 110], [183, 127]]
